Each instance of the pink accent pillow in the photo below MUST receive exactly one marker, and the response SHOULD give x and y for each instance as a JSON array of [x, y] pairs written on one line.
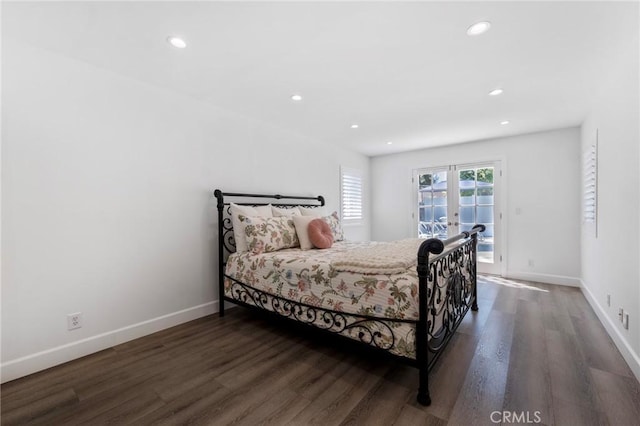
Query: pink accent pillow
[[320, 234]]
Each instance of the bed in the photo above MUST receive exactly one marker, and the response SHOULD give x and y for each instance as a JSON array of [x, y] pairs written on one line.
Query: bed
[[404, 299]]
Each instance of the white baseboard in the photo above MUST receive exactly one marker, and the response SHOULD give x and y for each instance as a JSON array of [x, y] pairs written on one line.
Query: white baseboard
[[619, 340], [33, 363], [544, 278]]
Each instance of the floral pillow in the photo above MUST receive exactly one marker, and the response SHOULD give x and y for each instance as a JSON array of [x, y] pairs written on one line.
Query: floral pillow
[[239, 235], [265, 234], [336, 227]]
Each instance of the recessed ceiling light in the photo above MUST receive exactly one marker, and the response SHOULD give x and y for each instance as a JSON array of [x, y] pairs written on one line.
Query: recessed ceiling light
[[389, 143], [176, 42], [505, 122], [496, 92], [354, 126], [478, 28], [296, 98]]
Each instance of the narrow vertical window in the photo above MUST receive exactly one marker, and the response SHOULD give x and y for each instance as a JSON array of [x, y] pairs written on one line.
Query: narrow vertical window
[[351, 189]]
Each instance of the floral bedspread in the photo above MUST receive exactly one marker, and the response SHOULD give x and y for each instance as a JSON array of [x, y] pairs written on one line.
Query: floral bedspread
[[309, 277]]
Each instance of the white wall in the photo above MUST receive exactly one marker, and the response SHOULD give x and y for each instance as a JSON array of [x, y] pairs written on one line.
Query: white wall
[[107, 202], [540, 181], [610, 260]]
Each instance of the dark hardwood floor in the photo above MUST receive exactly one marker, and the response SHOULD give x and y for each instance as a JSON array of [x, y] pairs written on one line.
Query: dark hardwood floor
[[533, 352]]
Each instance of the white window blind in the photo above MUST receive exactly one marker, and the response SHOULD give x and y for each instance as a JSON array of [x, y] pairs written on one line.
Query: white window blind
[[351, 194], [590, 168]]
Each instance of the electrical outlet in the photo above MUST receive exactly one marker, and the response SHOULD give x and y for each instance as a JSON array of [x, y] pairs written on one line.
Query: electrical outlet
[[74, 321], [608, 300], [625, 322]]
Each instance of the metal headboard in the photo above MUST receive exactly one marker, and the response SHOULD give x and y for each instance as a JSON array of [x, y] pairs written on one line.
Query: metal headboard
[[225, 227]]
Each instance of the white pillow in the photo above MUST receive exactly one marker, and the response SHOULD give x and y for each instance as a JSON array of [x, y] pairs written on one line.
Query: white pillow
[[313, 211], [302, 229], [238, 227], [280, 211]]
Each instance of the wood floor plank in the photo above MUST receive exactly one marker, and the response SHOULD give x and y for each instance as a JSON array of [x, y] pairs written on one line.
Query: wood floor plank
[[29, 395], [531, 292], [447, 378], [570, 376], [575, 303], [322, 379], [528, 387], [111, 394], [120, 408], [283, 413], [384, 402], [342, 396], [58, 375], [128, 412], [121, 377], [241, 408], [484, 386], [474, 322], [247, 398], [279, 408], [412, 416], [569, 413], [507, 300], [598, 348], [263, 395], [178, 335], [269, 398], [487, 289], [270, 359], [40, 407], [196, 407], [555, 316], [620, 397]]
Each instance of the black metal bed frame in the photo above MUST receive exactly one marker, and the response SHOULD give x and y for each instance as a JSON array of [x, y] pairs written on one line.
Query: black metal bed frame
[[449, 279]]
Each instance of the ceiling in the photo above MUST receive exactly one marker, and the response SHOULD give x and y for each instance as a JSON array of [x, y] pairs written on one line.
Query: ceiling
[[405, 72]]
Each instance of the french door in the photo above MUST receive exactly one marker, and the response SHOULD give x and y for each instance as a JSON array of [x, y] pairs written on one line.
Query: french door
[[452, 199]]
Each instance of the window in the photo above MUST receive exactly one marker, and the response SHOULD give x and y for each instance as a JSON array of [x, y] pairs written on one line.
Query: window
[[351, 194]]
